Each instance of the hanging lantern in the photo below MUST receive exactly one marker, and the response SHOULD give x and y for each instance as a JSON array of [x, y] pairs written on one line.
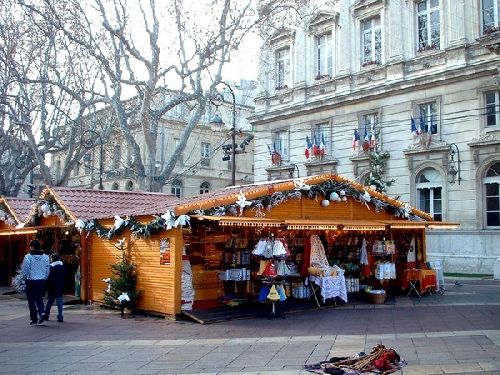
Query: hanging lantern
[[325, 202]]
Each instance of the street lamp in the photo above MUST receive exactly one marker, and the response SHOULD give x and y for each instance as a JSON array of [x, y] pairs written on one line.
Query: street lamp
[[89, 142], [217, 99], [454, 168], [21, 162]]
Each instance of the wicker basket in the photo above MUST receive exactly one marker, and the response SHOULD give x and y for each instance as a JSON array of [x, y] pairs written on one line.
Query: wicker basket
[[377, 299]]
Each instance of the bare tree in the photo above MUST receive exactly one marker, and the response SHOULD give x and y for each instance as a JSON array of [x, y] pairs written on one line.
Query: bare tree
[[45, 90], [181, 45]]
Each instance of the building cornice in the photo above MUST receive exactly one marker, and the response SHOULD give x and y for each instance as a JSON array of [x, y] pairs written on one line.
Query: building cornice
[[292, 109]]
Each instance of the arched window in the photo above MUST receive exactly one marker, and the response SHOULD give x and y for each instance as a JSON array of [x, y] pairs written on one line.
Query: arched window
[[429, 193], [176, 188], [115, 186], [129, 185], [204, 187], [492, 194]]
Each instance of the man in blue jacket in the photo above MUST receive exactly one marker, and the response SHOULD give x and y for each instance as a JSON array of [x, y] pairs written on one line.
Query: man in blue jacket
[[35, 270], [55, 287]]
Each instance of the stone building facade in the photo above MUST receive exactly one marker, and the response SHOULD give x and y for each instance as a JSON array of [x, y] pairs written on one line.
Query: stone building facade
[[415, 82], [205, 164]]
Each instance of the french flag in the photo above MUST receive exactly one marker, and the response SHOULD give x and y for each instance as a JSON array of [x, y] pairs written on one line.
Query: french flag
[[355, 139], [322, 146], [308, 147], [315, 147], [414, 130], [373, 140]]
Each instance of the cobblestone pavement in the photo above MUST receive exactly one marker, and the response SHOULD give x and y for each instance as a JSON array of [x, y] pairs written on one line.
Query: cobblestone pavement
[[456, 333]]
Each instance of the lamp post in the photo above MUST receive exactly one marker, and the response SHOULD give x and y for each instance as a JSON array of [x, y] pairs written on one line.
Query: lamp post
[[21, 163], [454, 170], [217, 99], [88, 141]]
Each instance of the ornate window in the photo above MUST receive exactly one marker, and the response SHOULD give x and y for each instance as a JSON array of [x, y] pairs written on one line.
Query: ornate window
[[492, 106], [324, 56], [429, 25], [429, 193], [427, 115], [368, 131], [492, 194], [204, 187], [180, 159], [176, 188], [116, 156], [281, 145], [321, 140], [491, 16], [205, 154], [282, 70], [371, 41]]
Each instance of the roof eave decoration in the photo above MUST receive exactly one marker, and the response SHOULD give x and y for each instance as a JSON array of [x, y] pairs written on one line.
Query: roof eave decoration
[[331, 186], [49, 204], [7, 214]]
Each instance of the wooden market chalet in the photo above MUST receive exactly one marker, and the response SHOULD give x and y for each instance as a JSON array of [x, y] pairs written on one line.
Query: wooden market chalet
[[235, 244]]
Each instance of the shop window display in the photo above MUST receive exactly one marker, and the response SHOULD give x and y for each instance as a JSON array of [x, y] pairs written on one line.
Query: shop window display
[[239, 265]]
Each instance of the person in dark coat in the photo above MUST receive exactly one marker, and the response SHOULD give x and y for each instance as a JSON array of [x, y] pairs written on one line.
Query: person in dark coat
[[55, 286], [34, 270]]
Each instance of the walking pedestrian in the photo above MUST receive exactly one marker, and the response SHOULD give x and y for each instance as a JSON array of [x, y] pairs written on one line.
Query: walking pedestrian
[[55, 286], [35, 270]]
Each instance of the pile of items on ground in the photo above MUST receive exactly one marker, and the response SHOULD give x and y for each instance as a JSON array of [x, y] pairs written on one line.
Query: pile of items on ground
[[380, 361]]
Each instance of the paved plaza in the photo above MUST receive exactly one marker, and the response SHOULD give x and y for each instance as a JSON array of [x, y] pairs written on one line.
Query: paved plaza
[[454, 333]]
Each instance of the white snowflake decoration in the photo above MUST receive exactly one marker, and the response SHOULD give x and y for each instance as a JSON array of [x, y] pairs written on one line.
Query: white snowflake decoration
[[242, 202]]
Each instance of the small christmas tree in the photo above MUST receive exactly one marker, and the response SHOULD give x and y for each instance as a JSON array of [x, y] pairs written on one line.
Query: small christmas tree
[[377, 179], [121, 292]]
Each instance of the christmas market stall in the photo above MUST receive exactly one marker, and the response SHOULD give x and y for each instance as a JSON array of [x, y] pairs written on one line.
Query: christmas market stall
[[59, 217], [317, 238], [314, 240], [14, 238]]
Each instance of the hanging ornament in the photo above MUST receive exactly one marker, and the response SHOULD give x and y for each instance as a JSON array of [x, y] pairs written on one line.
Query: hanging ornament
[[342, 193], [325, 202], [344, 199], [334, 197], [242, 202], [45, 208], [367, 196]]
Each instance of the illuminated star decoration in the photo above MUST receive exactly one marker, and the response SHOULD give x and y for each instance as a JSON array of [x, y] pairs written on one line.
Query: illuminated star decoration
[[123, 297], [79, 225], [182, 220], [169, 218], [107, 281], [118, 222], [242, 202], [301, 185], [120, 244]]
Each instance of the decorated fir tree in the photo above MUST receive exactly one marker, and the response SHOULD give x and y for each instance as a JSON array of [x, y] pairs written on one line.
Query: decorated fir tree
[[121, 292], [377, 178]]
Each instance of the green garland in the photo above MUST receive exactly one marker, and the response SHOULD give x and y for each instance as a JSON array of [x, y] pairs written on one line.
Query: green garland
[[322, 190]]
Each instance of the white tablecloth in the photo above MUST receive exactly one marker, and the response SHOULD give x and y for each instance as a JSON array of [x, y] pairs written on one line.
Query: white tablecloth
[[331, 286]]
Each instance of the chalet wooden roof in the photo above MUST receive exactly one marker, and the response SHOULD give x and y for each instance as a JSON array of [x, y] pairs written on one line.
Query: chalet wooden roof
[[230, 195], [18, 208], [88, 204]]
